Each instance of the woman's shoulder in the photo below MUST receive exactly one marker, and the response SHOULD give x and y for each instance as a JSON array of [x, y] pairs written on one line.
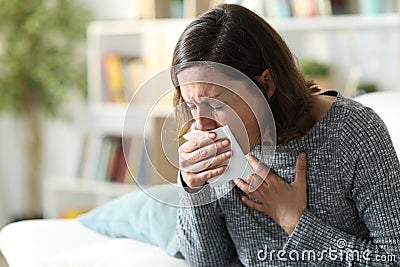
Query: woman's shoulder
[[358, 119], [349, 105], [353, 111]]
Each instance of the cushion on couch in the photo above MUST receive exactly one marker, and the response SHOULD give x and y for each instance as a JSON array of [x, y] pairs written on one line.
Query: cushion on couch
[[140, 215]]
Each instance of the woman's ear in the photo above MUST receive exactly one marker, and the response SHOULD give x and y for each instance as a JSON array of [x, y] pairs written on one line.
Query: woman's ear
[[266, 80]]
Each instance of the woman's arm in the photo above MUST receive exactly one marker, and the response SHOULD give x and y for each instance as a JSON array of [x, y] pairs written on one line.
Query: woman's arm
[[376, 193], [202, 235]]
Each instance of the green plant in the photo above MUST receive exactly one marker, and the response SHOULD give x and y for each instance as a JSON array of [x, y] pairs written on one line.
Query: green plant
[[315, 68], [41, 60], [365, 87]]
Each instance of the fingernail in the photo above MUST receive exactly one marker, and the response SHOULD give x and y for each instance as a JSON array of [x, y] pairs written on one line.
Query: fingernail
[[221, 171], [248, 156], [302, 156], [228, 153], [225, 142], [212, 135]]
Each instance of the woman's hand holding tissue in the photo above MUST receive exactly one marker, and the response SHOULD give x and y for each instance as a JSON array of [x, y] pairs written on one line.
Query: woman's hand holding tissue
[[200, 158]]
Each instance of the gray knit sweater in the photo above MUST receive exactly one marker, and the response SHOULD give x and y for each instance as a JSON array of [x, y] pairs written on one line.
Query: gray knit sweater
[[353, 212]]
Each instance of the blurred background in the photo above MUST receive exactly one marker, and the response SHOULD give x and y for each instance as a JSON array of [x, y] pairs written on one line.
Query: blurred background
[[69, 68]]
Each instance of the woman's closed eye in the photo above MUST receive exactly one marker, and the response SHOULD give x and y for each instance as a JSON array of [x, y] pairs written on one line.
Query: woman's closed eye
[[216, 104], [191, 106], [217, 107]]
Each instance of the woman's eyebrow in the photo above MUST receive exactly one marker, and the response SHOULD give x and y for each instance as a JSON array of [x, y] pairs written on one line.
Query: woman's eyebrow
[[188, 102], [218, 95]]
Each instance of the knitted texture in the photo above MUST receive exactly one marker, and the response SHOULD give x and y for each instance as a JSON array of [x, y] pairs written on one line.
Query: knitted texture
[[353, 203]]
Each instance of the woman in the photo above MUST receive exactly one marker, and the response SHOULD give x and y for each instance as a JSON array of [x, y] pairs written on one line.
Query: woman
[[330, 196]]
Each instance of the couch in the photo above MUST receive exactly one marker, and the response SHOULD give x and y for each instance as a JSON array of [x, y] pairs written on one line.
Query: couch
[[66, 242]]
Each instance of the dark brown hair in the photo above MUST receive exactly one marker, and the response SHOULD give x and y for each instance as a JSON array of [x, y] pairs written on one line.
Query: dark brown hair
[[235, 36]]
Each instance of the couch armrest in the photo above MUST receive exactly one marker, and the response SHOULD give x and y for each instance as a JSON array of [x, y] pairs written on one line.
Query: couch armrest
[[387, 105], [28, 243]]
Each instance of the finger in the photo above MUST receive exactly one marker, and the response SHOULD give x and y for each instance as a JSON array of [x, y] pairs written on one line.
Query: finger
[[245, 187], [252, 204], [192, 180], [211, 173], [257, 166], [199, 179], [254, 182], [211, 150], [222, 144], [220, 158], [207, 150], [205, 164], [301, 170], [199, 140]]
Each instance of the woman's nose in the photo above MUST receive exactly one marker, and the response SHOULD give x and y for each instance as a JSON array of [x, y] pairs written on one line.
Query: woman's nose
[[206, 124], [205, 120]]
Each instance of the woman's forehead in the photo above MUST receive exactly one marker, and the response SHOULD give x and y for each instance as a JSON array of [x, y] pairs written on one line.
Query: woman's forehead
[[196, 89], [200, 89], [210, 76]]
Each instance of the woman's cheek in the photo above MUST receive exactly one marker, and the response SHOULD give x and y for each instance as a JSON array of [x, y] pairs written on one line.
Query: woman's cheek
[[237, 124]]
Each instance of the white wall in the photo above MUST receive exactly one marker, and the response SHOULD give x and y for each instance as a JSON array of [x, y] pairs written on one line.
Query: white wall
[[62, 141], [10, 168]]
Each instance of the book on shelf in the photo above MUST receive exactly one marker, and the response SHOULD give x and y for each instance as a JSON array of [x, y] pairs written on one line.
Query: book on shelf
[[89, 156], [140, 170], [304, 8], [135, 158], [107, 152], [134, 74], [324, 7], [113, 73], [341, 7], [113, 159], [123, 76]]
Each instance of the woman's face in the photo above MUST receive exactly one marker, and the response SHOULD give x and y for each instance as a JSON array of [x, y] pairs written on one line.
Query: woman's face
[[213, 106]]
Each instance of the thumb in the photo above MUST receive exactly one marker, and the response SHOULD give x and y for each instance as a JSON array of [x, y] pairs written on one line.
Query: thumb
[[257, 166], [301, 170]]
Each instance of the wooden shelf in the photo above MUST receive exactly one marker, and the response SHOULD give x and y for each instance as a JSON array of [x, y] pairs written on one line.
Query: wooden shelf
[[91, 187], [66, 193]]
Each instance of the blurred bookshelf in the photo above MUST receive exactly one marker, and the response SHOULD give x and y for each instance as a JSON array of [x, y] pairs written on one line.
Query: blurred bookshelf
[[103, 172], [123, 54], [68, 197]]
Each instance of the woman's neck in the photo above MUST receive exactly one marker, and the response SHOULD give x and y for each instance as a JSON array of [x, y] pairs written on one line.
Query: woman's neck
[[319, 106]]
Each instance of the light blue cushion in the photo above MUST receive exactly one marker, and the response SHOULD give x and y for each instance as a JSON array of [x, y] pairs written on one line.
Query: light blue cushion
[[139, 216]]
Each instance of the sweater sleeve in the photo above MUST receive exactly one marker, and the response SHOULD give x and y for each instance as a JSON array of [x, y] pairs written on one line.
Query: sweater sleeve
[[202, 235], [376, 193]]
